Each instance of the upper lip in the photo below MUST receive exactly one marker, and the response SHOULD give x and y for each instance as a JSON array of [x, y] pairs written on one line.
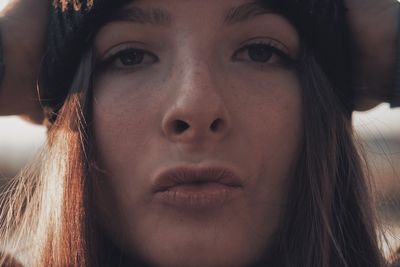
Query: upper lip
[[194, 175]]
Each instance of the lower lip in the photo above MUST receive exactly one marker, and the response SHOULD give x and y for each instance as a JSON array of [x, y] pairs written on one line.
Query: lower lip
[[198, 196]]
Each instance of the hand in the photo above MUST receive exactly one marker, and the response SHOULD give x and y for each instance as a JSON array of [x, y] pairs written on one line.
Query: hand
[[24, 27], [373, 25]]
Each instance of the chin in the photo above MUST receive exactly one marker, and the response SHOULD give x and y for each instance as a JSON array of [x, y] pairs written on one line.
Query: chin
[[197, 253], [200, 259]]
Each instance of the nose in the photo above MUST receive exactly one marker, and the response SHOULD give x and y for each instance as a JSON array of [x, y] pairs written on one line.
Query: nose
[[197, 111]]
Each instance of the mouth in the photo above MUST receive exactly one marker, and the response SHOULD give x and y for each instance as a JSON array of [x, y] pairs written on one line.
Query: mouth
[[182, 176], [205, 188]]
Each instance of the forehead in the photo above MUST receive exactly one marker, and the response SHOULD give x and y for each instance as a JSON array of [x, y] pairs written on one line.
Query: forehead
[[166, 12], [204, 19]]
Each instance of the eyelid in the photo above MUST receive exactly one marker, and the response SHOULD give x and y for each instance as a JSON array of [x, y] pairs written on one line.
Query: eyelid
[[283, 54], [115, 49], [268, 41], [114, 52]]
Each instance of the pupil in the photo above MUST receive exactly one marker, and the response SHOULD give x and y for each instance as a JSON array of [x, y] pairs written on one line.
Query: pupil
[[132, 58], [260, 53]]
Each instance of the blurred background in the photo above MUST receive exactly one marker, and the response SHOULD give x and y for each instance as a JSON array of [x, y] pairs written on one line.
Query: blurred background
[[378, 133]]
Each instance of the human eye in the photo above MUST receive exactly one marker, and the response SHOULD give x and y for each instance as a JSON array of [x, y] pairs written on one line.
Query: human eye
[[264, 52], [127, 58]]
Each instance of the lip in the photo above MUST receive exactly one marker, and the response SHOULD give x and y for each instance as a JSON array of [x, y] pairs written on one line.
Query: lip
[[195, 187], [191, 175]]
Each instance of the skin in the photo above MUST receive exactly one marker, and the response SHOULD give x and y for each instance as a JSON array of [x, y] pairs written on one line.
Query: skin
[[23, 30], [196, 80], [374, 27]]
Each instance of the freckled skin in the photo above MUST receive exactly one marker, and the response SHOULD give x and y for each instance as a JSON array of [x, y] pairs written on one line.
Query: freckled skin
[[195, 80]]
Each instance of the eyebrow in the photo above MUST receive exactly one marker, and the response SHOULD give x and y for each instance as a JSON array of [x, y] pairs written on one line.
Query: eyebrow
[[159, 17], [245, 12], [153, 16]]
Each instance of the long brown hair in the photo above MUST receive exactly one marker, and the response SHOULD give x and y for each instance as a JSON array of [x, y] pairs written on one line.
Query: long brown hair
[[329, 219]]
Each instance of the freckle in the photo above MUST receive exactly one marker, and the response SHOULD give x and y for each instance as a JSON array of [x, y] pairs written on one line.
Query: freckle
[[287, 107]]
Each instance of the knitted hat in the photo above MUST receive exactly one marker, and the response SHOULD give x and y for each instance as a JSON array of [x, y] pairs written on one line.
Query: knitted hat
[[72, 27], [74, 23]]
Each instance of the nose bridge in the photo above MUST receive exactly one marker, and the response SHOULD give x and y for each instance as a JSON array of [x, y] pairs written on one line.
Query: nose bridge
[[197, 109], [197, 84], [196, 77]]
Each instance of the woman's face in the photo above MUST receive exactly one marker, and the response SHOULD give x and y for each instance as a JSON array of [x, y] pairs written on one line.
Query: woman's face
[[197, 128]]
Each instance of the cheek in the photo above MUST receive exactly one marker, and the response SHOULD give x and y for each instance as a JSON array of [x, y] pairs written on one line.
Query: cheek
[[125, 119], [271, 123], [272, 133], [277, 130]]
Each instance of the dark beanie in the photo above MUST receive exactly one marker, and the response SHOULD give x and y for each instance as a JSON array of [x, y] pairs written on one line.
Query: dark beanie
[[74, 23]]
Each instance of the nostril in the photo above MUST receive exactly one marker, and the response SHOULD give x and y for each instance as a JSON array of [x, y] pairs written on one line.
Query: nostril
[[216, 125], [180, 126]]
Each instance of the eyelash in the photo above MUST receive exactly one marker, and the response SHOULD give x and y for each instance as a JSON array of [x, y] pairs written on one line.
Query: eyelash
[[109, 61], [283, 58]]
